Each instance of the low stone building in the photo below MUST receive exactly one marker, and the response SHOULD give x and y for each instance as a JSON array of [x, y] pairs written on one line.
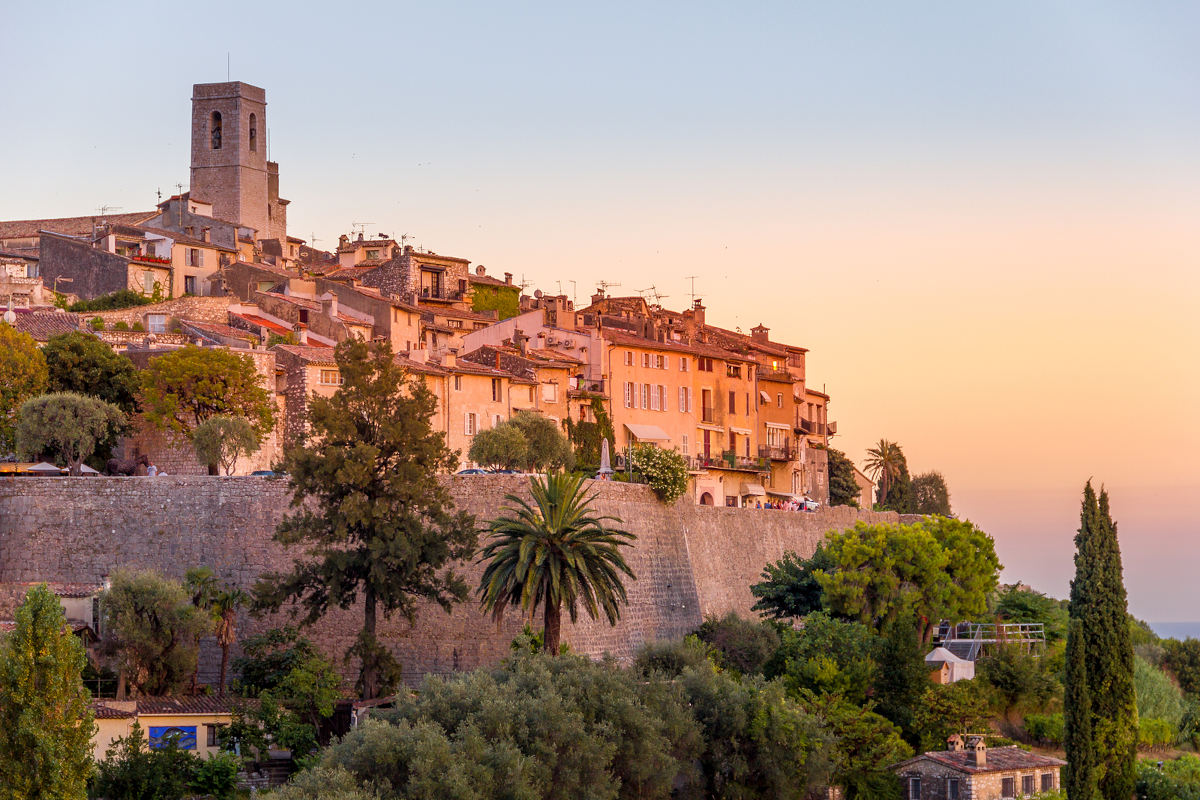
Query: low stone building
[[972, 772]]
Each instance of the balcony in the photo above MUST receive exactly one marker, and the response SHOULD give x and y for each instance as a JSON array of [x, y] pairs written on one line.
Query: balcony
[[776, 452], [766, 373], [438, 293], [150, 259], [728, 460]]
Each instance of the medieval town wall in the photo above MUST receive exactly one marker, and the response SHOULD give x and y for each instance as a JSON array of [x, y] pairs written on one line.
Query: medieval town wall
[[690, 561]]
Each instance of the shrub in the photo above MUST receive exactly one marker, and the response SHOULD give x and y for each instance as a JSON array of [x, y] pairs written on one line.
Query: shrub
[[740, 644], [216, 776], [665, 470], [1156, 734], [1157, 696], [1045, 728], [120, 325], [97, 323], [137, 326], [125, 298], [670, 659]]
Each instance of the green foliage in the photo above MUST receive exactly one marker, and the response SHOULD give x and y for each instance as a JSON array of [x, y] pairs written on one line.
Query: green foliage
[[1098, 601], [77, 362], [1019, 681], [827, 657], [586, 436], [902, 677], [665, 470], [221, 602], [131, 770], [670, 658], [505, 299], [222, 440], [377, 523], [843, 488], [286, 338], [182, 389], [957, 707], [938, 568], [1176, 780], [150, 631], [930, 494], [216, 776], [323, 783], [1015, 604], [1182, 659], [123, 298], [120, 325], [1077, 716], [1157, 696], [739, 644], [500, 447], [1045, 729], [790, 587], [67, 425], [887, 463], [557, 553], [45, 720], [1156, 734], [23, 375], [97, 323], [547, 448], [865, 747]]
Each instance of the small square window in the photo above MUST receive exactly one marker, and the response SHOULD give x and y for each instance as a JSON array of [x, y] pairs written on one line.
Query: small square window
[[1047, 781], [1028, 784], [1008, 788]]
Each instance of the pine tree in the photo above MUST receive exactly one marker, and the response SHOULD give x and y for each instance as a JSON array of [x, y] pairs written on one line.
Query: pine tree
[[1080, 774], [1100, 618], [45, 720]]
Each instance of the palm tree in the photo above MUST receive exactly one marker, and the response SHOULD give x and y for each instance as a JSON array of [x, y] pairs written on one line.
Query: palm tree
[[557, 552], [225, 605], [884, 460]]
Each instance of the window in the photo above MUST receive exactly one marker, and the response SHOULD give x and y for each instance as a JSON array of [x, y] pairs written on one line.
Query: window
[[331, 377], [654, 404], [156, 323], [683, 363], [662, 398], [645, 395], [629, 358], [733, 370], [1008, 787], [685, 399], [1047, 781], [1028, 784], [215, 130], [661, 362], [469, 424], [148, 282], [704, 364], [497, 395], [193, 257], [372, 254], [628, 394], [496, 420], [779, 400], [531, 394], [733, 402], [550, 392], [214, 732], [189, 284], [684, 444], [254, 133], [914, 788], [454, 323], [645, 359], [458, 383], [706, 405], [952, 789]]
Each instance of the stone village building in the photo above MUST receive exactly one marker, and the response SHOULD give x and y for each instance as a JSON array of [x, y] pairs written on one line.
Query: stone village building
[[971, 771]]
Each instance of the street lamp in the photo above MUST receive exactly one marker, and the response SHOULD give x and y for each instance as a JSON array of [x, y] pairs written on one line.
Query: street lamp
[[62, 278]]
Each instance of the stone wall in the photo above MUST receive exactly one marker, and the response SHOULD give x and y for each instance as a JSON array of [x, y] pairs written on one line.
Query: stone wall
[[214, 310], [690, 561]]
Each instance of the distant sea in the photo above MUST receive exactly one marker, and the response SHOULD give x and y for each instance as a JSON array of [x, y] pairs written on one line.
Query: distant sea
[[1176, 630]]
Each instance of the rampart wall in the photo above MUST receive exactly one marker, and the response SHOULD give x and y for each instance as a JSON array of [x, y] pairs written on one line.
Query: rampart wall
[[690, 560]]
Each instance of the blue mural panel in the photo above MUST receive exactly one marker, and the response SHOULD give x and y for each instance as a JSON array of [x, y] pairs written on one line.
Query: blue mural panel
[[185, 737]]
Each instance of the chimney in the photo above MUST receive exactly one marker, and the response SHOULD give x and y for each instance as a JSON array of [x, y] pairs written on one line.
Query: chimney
[[343, 240], [360, 236], [329, 305], [759, 333], [204, 234], [520, 338], [954, 744], [450, 358], [508, 278], [497, 359], [976, 752], [698, 313], [302, 333]]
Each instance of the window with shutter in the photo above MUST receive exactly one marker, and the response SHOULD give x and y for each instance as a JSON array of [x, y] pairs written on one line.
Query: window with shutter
[[469, 424], [662, 402], [654, 398], [628, 394], [684, 443], [645, 395]]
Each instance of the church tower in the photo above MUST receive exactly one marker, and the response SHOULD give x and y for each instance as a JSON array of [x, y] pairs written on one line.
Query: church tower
[[229, 154]]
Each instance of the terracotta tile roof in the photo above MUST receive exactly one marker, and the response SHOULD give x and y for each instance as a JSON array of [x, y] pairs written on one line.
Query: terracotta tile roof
[[217, 330], [103, 710], [553, 355], [694, 348], [437, 257], [355, 244], [71, 226], [22, 256], [349, 273], [309, 354], [280, 271], [42, 325], [200, 704], [489, 280], [302, 302], [184, 239], [254, 319], [454, 313], [999, 759]]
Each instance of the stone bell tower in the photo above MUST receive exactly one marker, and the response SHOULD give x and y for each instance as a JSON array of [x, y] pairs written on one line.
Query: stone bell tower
[[229, 153]]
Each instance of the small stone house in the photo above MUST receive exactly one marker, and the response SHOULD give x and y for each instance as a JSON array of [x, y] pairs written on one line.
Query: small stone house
[[973, 772]]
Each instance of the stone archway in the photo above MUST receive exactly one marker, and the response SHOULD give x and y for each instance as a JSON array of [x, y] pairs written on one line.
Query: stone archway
[[706, 499]]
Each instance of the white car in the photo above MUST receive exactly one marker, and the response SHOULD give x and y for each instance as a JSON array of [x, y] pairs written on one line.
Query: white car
[[807, 504]]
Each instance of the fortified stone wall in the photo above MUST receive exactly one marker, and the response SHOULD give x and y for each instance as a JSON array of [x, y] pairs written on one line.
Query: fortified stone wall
[[690, 560]]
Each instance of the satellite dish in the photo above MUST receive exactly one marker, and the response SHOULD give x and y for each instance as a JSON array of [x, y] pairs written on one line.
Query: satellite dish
[[537, 293], [10, 316]]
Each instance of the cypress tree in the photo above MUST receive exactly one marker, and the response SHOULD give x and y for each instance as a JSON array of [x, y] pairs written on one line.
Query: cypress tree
[[1100, 620], [1077, 712]]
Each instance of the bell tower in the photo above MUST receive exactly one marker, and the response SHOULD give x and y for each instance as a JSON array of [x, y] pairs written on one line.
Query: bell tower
[[229, 154]]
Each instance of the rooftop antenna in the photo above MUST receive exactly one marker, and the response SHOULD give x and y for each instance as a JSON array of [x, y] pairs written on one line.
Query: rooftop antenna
[[574, 291], [361, 226], [603, 286], [404, 237], [179, 205], [524, 283], [653, 292], [158, 195], [692, 278], [312, 240], [103, 210]]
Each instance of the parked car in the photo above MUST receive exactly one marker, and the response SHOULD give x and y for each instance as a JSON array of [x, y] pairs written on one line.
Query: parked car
[[472, 471], [268, 473]]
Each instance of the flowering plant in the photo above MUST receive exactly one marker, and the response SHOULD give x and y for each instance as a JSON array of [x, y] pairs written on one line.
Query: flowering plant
[[665, 470]]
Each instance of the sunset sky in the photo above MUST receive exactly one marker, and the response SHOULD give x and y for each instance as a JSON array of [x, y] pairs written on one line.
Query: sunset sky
[[982, 219]]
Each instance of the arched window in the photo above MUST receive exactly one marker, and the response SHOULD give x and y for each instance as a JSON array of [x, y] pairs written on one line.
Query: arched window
[[216, 130], [253, 133]]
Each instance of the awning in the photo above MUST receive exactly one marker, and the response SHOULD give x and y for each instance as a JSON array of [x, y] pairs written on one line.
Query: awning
[[704, 426], [785, 495], [766, 397], [648, 433], [753, 488], [742, 431], [779, 426]]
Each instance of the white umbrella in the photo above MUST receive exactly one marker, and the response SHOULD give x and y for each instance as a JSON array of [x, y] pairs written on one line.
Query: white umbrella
[[45, 469], [605, 466]]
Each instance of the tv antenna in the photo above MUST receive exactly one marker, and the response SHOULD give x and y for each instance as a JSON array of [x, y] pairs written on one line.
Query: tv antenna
[[653, 292], [692, 278], [312, 240], [524, 283], [158, 195], [404, 237], [603, 286], [574, 291], [361, 227], [103, 210]]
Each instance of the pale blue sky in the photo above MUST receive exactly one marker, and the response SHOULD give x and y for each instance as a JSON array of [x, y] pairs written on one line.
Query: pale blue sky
[[982, 218]]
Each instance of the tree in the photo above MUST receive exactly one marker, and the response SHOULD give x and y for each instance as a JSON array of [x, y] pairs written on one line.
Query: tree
[[900, 497], [45, 718], [150, 631], [69, 425], [666, 471], [548, 449], [884, 463], [827, 657], [1020, 681], [958, 707], [739, 644], [79, 362], [376, 520], [22, 376], [1018, 604], [1183, 661], [132, 770], [221, 602], [586, 436], [555, 553], [222, 440], [1098, 603], [843, 487], [902, 677], [501, 447], [790, 587], [865, 746], [1077, 717], [930, 494], [185, 387]]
